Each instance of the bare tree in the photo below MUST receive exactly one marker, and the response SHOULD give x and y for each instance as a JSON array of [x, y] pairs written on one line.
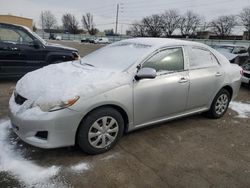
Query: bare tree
[[88, 24], [70, 23], [34, 28], [223, 25], [245, 19], [47, 20], [171, 21], [189, 23], [138, 30], [153, 25]]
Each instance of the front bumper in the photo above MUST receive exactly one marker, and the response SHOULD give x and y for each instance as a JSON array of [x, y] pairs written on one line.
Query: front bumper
[[245, 77], [61, 127], [245, 80]]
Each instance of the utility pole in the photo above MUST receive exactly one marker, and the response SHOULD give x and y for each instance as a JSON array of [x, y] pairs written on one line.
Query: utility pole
[[117, 15], [42, 24]]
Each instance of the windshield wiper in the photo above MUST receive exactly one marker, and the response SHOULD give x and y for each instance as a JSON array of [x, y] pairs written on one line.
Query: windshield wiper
[[89, 64]]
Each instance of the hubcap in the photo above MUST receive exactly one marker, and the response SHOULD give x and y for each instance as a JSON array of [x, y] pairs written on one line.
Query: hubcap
[[103, 132], [221, 104]]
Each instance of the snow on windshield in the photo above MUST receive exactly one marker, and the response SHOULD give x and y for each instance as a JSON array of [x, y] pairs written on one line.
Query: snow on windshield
[[118, 56]]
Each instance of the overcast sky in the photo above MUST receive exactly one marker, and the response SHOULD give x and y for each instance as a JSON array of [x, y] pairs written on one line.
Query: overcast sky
[[104, 11]]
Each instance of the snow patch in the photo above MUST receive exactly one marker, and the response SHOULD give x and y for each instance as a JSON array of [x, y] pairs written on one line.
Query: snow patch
[[29, 173], [243, 109], [79, 167]]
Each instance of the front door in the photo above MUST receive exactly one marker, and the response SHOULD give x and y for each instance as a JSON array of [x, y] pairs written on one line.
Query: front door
[[166, 95], [17, 52]]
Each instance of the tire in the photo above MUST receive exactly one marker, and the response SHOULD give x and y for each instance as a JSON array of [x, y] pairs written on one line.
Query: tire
[[93, 138], [220, 104]]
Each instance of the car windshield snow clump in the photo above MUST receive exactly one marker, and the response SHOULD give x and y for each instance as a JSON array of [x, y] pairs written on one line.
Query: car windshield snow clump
[[118, 56]]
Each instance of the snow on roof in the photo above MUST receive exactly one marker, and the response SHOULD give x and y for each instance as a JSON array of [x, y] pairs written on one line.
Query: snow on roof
[[161, 42]]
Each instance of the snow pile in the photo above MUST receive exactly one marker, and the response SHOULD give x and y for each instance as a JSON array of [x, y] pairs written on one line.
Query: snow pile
[[243, 109], [80, 167], [26, 171]]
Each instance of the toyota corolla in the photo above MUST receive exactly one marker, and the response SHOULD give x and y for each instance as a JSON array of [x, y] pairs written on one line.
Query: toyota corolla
[[119, 88]]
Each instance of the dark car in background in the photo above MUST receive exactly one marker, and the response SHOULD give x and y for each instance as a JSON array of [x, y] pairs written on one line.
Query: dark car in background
[[234, 53], [22, 51]]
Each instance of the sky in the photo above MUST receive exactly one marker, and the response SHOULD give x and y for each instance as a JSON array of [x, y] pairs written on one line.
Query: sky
[[104, 11]]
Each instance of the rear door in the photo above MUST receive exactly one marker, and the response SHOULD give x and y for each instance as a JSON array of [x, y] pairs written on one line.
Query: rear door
[[206, 78]]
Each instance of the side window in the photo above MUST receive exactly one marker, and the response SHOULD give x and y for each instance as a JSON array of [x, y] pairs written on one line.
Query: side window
[[242, 50], [9, 35], [167, 60], [201, 58]]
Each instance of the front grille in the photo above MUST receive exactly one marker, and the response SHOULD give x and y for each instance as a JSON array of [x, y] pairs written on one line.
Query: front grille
[[246, 74], [19, 99]]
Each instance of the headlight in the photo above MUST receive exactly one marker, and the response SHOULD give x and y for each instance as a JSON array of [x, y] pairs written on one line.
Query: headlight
[[50, 107], [76, 56]]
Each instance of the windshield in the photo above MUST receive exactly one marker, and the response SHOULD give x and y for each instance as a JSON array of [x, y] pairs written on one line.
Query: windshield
[[117, 56], [224, 48]]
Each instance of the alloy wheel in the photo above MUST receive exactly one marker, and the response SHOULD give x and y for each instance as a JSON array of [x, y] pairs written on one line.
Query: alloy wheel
[[103, 132]]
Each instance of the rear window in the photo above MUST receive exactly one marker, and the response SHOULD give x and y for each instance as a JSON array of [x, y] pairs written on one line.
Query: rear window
[[201, 58]]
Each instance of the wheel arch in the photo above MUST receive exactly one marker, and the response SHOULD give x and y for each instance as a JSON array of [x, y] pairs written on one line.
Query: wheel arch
[[114, 106], [229, 89]]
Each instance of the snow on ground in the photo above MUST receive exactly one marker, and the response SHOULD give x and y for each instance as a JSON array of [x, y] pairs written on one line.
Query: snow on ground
[[243, 109], [29, 173], [79, 167]]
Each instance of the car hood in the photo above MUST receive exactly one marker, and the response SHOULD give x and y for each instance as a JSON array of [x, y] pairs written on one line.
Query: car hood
[[60, 47], [64, 81], [228, 55]]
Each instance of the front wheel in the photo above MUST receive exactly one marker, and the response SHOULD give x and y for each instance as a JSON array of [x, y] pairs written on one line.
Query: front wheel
[[220, 104], [100, 130]]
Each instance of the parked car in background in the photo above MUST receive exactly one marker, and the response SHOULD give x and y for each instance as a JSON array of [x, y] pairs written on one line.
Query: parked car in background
[[58, 37], [246, 73], [22, 51], [234, 53], [52, 36], [103, 40], [87, 40], [124, 86]]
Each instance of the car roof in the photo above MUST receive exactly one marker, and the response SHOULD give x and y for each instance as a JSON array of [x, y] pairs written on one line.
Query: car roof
[[162, 42], [13, 25], [229, 45]]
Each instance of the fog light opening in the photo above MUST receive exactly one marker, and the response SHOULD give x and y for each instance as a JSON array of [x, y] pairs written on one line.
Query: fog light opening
[[42, 135]]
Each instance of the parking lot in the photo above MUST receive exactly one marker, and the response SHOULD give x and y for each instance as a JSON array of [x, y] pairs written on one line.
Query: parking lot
[[189, 152]]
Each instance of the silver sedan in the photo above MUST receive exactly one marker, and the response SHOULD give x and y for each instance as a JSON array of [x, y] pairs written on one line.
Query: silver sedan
[[119, 88]]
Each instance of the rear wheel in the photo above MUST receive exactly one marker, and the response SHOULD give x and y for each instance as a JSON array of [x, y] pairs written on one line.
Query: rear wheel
[[100, 130], [220, 104]]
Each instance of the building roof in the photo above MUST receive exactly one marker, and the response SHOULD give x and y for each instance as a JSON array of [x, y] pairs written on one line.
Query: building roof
[[9, 15]]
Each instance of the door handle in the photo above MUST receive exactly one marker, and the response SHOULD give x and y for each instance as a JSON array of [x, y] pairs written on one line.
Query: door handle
[[218, 74], [14, 49], [183, 80]]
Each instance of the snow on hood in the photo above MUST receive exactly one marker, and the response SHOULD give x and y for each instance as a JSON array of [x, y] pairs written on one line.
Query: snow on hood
[[63, 81], [228, 55]]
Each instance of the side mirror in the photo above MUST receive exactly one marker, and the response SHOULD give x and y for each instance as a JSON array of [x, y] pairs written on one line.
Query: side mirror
[[36, 44], [146, 72]]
